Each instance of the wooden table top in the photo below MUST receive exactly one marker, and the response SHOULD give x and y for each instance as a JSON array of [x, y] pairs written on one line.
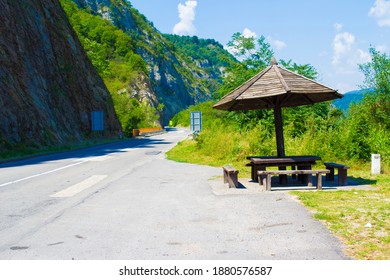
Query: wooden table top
[[287, 159]]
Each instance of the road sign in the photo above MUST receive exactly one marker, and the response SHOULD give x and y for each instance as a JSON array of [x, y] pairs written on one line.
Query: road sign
[[97, 121], [196, 121]]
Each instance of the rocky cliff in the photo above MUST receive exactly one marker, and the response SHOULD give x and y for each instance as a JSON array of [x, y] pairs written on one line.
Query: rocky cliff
[[48, 87], [173, 81]]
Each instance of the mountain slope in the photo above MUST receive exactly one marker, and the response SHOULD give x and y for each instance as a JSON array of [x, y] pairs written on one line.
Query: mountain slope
[[48, 86], [350, 97], [174, 81], [125, 73], [206, 54]]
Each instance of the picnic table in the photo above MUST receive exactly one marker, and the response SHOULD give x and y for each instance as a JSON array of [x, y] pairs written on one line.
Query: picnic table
[[261, 163]]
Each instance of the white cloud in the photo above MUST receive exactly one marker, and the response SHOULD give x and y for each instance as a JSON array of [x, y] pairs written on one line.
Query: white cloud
[[342, 45], [346, 58], [187, 13], [277, 44], [381, 11], [247, 33], [346, 55], [363, 57]]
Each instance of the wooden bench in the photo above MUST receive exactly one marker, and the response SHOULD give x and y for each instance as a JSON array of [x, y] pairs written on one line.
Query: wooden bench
[[230, 176], [265, 176], [342, 172]]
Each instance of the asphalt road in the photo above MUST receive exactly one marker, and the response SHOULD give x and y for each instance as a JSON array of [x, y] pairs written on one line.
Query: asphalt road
[[126, 201]]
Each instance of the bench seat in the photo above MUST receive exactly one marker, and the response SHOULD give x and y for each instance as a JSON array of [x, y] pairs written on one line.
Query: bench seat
[[230, 176], [341, 169], [265, 176]]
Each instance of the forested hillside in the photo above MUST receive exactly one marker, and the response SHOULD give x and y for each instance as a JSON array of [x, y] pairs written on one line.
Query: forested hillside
[[207, 54], [172, 81], [124, 72], [349, 98]]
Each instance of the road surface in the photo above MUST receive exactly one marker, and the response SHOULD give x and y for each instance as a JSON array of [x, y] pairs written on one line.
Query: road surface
[[126, 201]]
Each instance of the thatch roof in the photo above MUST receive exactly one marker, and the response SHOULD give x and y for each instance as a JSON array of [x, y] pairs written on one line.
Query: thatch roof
[[276, 86]]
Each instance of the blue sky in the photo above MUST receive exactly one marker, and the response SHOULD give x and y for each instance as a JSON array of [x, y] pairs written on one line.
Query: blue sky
[[332, 35]]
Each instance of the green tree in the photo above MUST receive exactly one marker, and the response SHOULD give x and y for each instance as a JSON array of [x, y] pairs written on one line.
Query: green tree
[[252, 57], [377, 77], [306, 70], [254, 54]]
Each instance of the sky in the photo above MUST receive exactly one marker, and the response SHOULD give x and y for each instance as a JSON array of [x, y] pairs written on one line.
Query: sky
[[332, 35]]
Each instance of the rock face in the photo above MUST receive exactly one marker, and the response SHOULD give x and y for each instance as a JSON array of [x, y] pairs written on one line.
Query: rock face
[[172, 82], [118, 14], [48, 87]]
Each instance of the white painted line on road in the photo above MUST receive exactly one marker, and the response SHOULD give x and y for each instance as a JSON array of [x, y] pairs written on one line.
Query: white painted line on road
[[95, 159], [79, 187], [128, 149], [40, 174]]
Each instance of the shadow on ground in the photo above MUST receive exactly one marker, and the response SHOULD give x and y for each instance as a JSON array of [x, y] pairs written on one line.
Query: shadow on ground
[[94, 151], [248, 186]]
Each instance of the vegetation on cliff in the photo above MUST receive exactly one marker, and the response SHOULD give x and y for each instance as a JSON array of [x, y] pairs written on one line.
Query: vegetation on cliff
[[206, 54], [111, 51], [144, 70], [174, 80]]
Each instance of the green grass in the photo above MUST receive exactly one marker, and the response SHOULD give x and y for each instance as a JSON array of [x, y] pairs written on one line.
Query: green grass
[[188, 151], [345, 213], [349, 214]]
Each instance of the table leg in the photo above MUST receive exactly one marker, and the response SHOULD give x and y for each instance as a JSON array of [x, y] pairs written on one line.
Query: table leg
[[305, 179], [256, 168], [282, 178], [294, 176]]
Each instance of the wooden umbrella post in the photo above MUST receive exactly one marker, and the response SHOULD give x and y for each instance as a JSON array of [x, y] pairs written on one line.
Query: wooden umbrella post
[[279, 130], [280, 139]]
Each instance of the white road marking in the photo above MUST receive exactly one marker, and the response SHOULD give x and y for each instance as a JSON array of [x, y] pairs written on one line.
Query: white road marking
[[40, 174], [95, 159], [128, 150], [79, 187]]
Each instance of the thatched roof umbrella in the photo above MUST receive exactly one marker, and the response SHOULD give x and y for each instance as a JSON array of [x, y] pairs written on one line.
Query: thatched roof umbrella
[[274, 88]]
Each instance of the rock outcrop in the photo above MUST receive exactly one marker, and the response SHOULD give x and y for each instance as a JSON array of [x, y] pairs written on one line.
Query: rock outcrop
[[48, 86]]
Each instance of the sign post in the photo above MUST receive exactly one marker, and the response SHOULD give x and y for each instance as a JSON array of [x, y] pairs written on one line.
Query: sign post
[[196, 122]]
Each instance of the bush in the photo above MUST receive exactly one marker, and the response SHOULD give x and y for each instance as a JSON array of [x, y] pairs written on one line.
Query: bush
[[229, 137]]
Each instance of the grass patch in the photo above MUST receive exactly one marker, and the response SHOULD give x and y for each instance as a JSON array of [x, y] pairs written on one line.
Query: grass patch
[[188, 151], [361, 219]]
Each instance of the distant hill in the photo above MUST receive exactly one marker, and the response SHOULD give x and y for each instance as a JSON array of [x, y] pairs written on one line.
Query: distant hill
[[350, 97]]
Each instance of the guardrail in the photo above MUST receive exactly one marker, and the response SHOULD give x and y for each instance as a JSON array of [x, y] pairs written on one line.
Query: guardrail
[[147, 131]]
